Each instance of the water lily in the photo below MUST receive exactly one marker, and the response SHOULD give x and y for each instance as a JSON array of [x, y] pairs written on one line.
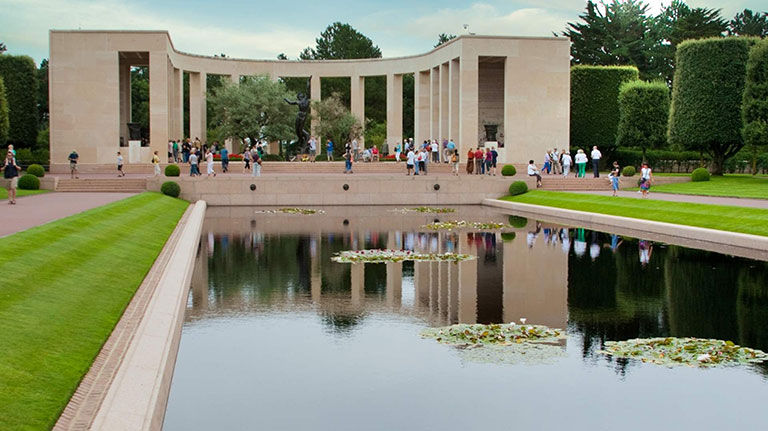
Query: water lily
[[704, 357], [522, 320]]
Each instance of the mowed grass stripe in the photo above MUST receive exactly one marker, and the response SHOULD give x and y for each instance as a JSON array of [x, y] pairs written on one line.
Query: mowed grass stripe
[[64, 288], [740, 186], [730, 218]]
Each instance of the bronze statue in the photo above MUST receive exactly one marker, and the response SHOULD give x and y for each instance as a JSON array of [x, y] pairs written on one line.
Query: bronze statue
[[302, 100]]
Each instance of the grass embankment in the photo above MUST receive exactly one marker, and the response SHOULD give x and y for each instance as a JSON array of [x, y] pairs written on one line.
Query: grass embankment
[[65, 286], [739, 186], [731, 218], [20, 193]]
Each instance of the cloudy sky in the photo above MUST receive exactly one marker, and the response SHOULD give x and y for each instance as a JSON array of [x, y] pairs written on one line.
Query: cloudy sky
[[262, 29]]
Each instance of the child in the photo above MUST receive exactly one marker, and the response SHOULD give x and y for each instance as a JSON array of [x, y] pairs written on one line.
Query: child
[[120, 165], [645, 179]]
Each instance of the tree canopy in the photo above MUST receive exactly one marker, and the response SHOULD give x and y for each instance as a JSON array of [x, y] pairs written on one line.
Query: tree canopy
[[748, 23], [336, 122], [443, 38], [341, 41], [754, 108], [4, 125]]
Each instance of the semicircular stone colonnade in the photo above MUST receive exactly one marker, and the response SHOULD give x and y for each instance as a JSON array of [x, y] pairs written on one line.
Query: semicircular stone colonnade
[[518, 85]]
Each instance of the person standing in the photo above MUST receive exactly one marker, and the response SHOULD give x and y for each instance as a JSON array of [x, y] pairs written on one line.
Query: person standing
[[73, 158], [581, 163], [567, 162], [435, 148], [556, 162], [176, 151], [348, 160], [423, 156], [11, 173], [533, 171], [312, 149], [185, 148], [170, 151], [329, 150], [494, 159], [193, 166], [256, 163], [547, 162], [614, 175], [455, 162], [596, 155], [209, 163], [397, 152], [120, 165], [479, 162], [645, 179], [224, 153], [470, 161], [156, 163], [247, 159], [410, 159], [488, 161]]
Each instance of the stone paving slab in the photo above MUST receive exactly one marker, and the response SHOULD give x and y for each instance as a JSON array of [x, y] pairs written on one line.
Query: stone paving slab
[[34, 210]]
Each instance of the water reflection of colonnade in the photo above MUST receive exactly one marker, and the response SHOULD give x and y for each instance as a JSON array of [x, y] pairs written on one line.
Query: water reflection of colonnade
[[507, 281]]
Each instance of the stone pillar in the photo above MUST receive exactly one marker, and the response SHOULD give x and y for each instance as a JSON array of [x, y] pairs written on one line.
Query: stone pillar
[[125, 101], [357, 103], [444, 92], [453, 103], [200, 275], [197, 105], [159, 102], [453, 294], [421, 283], [315, 272], [394, 111], [421, 108], [177, 131], [468, 105], [434, 103], [315, 96]]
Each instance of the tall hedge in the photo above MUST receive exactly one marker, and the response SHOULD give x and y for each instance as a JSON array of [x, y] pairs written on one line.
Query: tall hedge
[[754, 108], [594, 103], [20, 77], [706, 98], [3, 115], [643, 115]]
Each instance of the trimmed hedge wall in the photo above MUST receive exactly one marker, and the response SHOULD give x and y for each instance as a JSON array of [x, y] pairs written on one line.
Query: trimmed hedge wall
[[20, 77], [643, 115], [754, 107], [706, 98], [4, 125], [594, 104]]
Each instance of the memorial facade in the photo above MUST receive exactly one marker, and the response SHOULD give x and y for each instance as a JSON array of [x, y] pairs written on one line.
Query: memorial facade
[[509, 92]]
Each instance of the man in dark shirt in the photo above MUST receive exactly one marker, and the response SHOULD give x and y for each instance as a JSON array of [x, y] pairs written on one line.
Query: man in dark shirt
[[73, 158]]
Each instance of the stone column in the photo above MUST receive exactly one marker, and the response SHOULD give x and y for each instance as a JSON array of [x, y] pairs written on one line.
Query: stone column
[[444, 92], [421, 283], [315, 96], [453, 103], [468, 105], [315, 272], [177, 101], [159, 84], [357, 103], [394, 111], [200, 276], [421, 109], [197, 105], [434, 103], [125, 102]]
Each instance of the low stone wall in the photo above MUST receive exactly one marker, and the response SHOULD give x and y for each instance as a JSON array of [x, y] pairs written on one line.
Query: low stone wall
[[329, 189]]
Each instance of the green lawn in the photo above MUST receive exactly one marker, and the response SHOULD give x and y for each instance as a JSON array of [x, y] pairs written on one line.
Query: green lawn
[[731, 218], [20, 193], [741, 186], [65, 285]]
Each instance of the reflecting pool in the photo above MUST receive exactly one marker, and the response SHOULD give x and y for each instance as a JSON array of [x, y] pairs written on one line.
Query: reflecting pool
[[279, 337]]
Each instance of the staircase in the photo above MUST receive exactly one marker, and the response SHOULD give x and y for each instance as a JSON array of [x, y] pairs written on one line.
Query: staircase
[[118, 185]]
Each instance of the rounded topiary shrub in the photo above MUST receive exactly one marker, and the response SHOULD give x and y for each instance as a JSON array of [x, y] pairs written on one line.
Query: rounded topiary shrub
[[507, 236], [171, 188], [628, 171], [508, 170], [29, 182], [518, 188], [517, 221], [36, 170], [172, 171], [700, 174]]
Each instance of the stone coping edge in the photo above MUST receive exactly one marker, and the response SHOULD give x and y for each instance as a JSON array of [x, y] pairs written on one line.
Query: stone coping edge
[[736, 239], [137, 397]]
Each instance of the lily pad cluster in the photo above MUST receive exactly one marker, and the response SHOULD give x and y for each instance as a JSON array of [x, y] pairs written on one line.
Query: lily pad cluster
[[494, 334], [301, 211], [427, 210], [384, 256], [672, 351], [451, 225]]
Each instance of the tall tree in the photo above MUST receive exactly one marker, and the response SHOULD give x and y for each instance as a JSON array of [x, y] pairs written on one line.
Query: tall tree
[[4, 125], [754, 108], [140, 98], [443, 38], [643, 115], [335, 122], [680, 22], [19, 74], [748, 23]]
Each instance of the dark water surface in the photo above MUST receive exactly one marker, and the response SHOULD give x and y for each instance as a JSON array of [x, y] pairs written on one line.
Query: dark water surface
[[278, 337]]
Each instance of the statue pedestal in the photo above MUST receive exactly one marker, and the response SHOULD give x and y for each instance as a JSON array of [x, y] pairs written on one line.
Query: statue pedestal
[[134, 151]]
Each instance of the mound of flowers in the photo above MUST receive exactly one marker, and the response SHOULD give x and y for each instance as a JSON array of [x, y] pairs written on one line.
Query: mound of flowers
[[697, 352], [302, 211], [452, 225], [385, 256], [496, 334]]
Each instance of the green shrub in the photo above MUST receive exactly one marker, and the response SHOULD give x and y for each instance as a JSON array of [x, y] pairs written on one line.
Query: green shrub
[[4, 125], [754, 107], [273, 158], [706, 98], [628, 171], [508, 171], [36, 170], [643, 115], [29, 182], [517, 188], [660, 160], [517, 221], [700, 174], [172, 171], [507, 236], [19, 75], [171, 188], [594, 104]]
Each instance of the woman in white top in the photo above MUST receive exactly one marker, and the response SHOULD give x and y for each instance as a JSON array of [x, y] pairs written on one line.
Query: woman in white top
[[209, 162], [567, 163], [645, 179], [581, 163], [410, 159], [533, 171]]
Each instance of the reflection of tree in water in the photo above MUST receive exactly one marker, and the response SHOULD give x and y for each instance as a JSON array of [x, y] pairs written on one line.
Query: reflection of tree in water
[[341, 323], [752, 306]]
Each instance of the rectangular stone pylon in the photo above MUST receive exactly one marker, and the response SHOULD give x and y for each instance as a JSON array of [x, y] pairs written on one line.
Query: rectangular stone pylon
[[444, 92], [197, 106], [468, 105], [434, 103], [177, 102], [315, 96], [453, 102], [421, 106], [394, 110], [357, 102], [159, 80]]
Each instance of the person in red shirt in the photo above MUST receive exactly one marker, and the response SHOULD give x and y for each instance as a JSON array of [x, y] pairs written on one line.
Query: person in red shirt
[[479, 162], [470, 161]]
